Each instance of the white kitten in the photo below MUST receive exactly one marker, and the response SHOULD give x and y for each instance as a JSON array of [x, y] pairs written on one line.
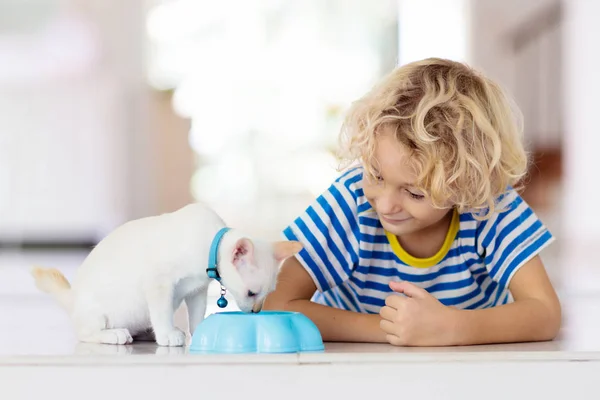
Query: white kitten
[[132, 282]]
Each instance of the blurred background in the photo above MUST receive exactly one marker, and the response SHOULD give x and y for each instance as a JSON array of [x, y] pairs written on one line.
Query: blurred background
[[113, 110]]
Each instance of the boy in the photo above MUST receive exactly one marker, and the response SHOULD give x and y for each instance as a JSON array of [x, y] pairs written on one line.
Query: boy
[[428, 211]]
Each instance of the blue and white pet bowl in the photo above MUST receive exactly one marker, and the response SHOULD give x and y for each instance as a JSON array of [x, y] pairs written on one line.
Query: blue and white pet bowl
[[263, 332]]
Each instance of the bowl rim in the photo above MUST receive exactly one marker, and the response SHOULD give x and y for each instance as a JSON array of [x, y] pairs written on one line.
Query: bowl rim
[[268, 313]]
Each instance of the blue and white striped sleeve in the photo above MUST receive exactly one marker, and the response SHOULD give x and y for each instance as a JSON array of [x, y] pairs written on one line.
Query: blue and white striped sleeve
[[511, 238], [329, 231]]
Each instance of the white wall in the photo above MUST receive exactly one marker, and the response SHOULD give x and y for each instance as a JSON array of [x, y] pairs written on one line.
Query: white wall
[[581, 87], [434, 28], [493, 24], [60, 174], [74, 147]]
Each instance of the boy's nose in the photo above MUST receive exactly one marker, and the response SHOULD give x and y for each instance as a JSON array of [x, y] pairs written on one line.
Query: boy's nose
[[388, 207]]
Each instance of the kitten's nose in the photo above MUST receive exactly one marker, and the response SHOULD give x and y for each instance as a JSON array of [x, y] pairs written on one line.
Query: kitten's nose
[[257, 307]]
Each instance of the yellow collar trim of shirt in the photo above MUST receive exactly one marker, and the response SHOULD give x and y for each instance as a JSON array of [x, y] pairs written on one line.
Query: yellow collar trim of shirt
[[430, 261]]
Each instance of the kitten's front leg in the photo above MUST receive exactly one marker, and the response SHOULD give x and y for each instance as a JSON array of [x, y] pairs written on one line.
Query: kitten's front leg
[[160, 306], [196, 305]]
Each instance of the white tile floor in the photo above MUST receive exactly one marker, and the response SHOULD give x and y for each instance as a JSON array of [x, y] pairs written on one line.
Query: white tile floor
[[33, 325], [37, 345]]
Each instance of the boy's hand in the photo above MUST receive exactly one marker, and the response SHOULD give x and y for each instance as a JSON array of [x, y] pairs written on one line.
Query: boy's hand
[[418, 319]]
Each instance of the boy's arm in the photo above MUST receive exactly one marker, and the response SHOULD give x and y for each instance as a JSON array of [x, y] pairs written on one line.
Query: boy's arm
[[421, 320], [294, 290], [535, 314]]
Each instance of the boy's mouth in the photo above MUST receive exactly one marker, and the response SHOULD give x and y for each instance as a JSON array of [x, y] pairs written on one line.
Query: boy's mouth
[[395, 220]]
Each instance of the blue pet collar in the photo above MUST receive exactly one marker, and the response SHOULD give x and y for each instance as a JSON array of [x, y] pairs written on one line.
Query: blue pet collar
[[213, 267]]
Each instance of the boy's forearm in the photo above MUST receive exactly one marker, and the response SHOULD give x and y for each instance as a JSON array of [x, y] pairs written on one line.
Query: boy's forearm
[[526, 320], [295, 288], [338, 325]]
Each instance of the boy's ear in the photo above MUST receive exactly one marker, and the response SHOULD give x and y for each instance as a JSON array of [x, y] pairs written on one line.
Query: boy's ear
[[286, 249], [243, 253]]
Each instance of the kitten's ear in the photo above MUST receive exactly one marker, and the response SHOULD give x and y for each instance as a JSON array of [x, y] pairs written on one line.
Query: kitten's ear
[[286, 249], [243, 253]]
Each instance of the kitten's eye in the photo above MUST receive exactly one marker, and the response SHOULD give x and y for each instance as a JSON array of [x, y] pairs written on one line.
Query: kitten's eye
[[251, 294]]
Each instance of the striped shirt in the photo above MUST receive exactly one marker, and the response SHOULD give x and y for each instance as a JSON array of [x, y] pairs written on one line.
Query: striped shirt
[[351, 258]]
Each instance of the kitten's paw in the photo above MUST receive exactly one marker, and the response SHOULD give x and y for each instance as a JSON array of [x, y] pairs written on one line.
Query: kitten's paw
[[174, 337], [122, 336], [110, 336]]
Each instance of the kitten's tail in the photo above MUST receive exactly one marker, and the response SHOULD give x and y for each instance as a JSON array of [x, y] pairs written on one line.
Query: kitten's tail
[[52, 281]]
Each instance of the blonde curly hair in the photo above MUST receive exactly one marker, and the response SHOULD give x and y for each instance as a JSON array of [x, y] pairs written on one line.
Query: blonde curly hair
[[463, 133]]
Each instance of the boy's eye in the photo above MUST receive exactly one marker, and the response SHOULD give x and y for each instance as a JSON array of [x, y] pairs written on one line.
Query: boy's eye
[[377, 177], [415, 195], [251, 294]]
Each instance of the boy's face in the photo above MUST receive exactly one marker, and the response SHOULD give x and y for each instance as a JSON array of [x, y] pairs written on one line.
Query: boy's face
[[402, 208]]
